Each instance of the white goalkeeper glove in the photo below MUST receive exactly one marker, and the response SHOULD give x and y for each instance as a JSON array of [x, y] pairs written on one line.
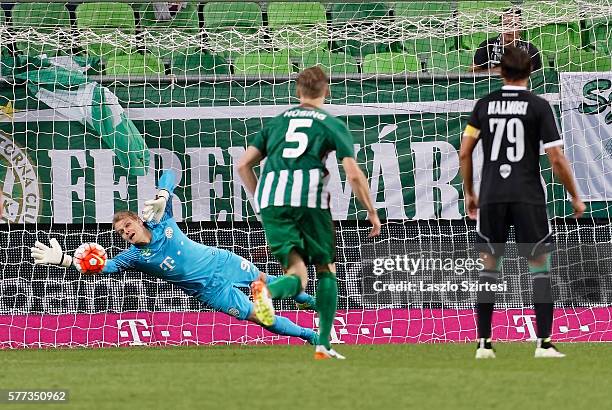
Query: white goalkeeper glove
[[44, 255], [154, 208]]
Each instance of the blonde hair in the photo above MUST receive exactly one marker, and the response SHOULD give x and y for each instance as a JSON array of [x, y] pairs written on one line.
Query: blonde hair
[[119, 215], [312, 83]]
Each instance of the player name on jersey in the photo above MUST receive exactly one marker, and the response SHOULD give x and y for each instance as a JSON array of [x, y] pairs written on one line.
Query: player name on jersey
[[508, 107], [306, 114]]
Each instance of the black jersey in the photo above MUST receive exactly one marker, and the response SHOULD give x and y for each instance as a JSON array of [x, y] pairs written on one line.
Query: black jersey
[[513, 123], [489, 53]]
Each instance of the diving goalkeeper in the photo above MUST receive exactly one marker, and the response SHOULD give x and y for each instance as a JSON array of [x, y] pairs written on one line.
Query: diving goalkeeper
[[159, 248]]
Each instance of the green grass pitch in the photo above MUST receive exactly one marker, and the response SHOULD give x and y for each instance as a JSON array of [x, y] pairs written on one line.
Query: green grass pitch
[[428, 376]]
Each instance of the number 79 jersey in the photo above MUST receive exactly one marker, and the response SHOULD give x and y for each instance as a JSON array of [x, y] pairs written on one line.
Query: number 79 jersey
[[296, 144], [513, 124]]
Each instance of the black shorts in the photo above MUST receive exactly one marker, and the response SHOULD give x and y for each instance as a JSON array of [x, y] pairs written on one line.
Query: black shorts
[[531, 226]]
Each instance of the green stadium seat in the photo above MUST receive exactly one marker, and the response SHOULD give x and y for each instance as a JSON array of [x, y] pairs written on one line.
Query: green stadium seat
[[345, 13], [390, 63], [226, 23], [184, 24], [456, 61], [424, 10], [47, 18], [134, 64], [106, 19], [582, 61], [332, 63], [428, 14], [482, 13], [553, 38], [307, 24], [263, 63], [430, 44], [199, 64]]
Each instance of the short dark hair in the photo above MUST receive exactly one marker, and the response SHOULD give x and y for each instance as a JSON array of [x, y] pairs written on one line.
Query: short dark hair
[[312, 82], [515, 64], [512, 11]]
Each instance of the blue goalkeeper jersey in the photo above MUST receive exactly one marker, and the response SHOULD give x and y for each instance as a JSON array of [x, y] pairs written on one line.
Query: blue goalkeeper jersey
[[172, 256]]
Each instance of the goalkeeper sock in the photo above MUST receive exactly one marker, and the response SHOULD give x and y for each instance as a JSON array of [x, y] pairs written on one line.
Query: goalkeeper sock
[[485, 303], [327, 302], [543, 304], [285, 327], [300, 298], [285, 287], [305, 298]]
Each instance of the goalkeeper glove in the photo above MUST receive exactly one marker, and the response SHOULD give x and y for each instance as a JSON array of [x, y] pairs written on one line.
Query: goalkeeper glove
[[154, 208], [44, 255]]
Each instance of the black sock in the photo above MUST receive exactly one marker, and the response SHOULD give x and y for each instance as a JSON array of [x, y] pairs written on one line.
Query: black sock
[[485, 303], [543, 304]]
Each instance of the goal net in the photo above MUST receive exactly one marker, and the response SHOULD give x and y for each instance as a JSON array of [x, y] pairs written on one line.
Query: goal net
[[97, 99]]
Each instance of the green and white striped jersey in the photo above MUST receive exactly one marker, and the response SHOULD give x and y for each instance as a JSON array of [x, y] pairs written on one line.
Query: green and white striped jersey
[[296, 144]]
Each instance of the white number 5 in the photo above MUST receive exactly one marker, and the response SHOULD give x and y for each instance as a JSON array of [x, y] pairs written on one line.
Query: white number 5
[[299, 137]]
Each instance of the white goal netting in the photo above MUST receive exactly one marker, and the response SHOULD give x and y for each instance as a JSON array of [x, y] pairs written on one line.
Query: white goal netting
[[97, 98]]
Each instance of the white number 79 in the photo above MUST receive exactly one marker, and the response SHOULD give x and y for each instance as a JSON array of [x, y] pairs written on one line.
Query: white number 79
[[515, 133]]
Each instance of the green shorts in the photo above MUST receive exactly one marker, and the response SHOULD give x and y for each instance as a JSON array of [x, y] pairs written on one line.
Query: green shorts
[[308, 231]]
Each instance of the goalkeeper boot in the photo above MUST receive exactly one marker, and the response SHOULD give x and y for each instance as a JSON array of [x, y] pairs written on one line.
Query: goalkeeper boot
[[264, 309], [323, 353], [545, 349], [485, 349]]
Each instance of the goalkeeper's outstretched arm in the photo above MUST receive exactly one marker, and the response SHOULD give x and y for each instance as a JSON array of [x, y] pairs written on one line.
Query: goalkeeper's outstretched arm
[[156, 209], [53, 255], [50, 255]]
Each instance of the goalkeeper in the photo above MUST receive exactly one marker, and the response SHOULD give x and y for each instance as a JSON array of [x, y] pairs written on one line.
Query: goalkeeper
[[159, 248]]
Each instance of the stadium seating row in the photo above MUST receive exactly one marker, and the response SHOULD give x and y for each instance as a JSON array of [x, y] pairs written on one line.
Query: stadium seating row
[[563, 45]]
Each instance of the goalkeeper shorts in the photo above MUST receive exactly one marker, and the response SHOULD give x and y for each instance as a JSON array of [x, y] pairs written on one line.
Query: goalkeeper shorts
[[308, 231], [237, 270], [232, 301], [221, 292]]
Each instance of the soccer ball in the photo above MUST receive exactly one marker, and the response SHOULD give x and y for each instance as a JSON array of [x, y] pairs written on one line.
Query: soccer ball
[[90, 258]]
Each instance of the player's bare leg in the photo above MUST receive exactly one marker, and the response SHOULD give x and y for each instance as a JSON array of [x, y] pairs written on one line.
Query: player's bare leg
[[543, 306], [485, 304]]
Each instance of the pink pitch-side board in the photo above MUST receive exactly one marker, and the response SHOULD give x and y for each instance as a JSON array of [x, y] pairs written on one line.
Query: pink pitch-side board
[[351, 327]]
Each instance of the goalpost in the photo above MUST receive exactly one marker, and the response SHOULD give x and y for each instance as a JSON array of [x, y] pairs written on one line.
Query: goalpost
[[98, 98]]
